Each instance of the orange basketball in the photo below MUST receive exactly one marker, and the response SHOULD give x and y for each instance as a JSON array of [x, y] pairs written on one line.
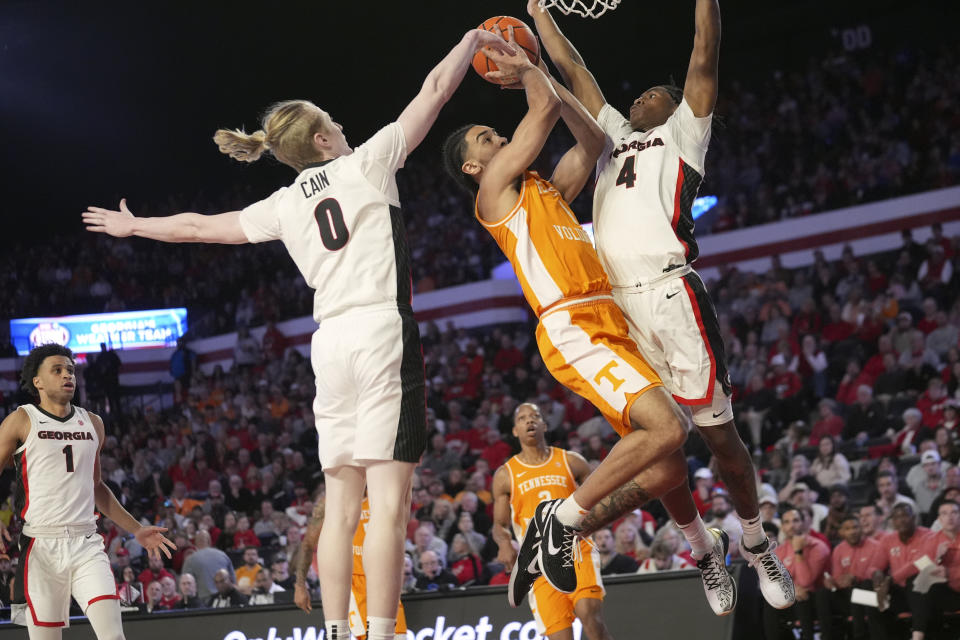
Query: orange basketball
[[522, 36]]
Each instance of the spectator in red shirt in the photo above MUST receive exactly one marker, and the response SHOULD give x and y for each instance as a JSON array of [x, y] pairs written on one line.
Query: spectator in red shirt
[[784, 382], [853, 379], [871, 522], [898, 551], [837, 329], [154, 571], [184, 472], [829, 424], [274, 343], [508, 357], [169, 598], [851, 566], [244, 535], [945, 551], [577, 409], [496, 451], [204, 475], [464, 561], [874, 366], [806, 558], [932, 402], [703, 490], [909, 437]]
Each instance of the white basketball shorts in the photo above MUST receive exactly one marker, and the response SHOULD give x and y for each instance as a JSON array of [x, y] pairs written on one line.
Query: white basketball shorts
[[371, 397], [53, 569], [675, 326]]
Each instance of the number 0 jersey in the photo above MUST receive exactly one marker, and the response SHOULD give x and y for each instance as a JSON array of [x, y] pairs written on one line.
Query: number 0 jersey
[[643, 202], [55, 469], [341, 222], [532, 484]]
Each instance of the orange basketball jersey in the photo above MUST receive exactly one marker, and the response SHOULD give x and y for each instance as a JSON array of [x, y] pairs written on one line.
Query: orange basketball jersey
[[359, 537], [532, 484], [549, 250]]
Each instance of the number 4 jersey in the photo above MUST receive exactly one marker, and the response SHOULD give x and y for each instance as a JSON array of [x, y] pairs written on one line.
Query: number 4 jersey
[[646, 184], [341, 222], [55, 469]]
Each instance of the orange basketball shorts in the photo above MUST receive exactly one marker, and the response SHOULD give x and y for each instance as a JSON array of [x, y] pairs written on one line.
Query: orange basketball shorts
[[553, 610], [587, 347], [357, 616]]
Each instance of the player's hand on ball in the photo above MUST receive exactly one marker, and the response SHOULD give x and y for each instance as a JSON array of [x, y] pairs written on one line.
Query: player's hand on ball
[[118, 224], [510, 66], [490, 41], [301, 597], [152, 539]]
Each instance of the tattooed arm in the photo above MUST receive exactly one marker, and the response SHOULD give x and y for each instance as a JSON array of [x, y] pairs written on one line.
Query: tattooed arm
[[304, 554], [623, 500]]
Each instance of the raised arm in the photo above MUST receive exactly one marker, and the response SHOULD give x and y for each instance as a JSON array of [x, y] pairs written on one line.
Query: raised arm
[[700, 88], [222, 228], [150, 538], [577, 165], [501, 518], [496, 191], [568, 61], [441, 83]]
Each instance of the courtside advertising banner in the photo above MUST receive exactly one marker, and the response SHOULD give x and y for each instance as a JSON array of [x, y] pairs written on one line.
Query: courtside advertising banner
[[119, 330], [662, 606]]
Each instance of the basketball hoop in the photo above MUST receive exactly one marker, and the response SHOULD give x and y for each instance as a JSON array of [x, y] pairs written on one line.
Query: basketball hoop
[[585, 8]]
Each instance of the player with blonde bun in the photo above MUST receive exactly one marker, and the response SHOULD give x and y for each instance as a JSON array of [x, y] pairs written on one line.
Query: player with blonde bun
[[341, 222]]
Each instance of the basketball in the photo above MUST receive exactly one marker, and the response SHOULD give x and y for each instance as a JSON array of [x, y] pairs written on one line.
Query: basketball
[[522, 36]]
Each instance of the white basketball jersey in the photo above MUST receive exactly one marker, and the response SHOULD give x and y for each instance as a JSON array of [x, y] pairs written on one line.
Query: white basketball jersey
[[341, 222], [55, 469], [646, 184]]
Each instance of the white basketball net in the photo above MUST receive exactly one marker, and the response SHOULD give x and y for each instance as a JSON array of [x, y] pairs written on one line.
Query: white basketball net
[[585, 8]]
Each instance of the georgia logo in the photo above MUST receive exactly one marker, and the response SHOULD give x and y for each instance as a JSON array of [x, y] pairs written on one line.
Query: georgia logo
[[47, 332]]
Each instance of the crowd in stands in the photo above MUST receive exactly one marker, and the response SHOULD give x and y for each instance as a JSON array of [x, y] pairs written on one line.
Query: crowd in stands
[[842, 130], [847, 388]]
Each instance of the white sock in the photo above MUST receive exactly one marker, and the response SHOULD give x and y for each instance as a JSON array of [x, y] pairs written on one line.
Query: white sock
[[380, 628], [753, 535], [337, 630], [571, 514], [701, 541]]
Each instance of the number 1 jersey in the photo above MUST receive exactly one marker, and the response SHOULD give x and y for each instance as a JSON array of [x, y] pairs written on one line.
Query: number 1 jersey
[[55, 469], [341, 222]]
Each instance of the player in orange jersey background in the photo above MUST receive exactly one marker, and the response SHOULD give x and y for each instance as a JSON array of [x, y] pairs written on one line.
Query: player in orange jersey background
[[538, 473]]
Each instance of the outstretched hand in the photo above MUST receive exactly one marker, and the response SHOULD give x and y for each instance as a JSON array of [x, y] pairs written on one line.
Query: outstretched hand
[[533, 5], [510, 65], [493, 41], [118, 224], [152, 539]]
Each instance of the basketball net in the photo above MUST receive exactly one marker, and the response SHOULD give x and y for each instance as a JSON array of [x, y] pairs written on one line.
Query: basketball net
[[585, 8]]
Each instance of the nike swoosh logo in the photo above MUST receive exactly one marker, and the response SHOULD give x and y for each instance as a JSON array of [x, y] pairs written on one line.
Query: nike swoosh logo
[[43, 421], [521, 474], [717, 415], [670, 295], [552, 550]]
